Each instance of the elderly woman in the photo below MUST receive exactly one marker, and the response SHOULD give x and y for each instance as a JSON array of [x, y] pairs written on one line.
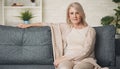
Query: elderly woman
[[75, 47]]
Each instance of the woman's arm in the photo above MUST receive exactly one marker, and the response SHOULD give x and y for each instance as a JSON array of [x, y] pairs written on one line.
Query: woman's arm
[[31, 25], [88, 47]]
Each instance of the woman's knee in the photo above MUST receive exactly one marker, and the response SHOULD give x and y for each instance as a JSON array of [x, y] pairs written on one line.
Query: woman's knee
[[83, 65], [65, 65]]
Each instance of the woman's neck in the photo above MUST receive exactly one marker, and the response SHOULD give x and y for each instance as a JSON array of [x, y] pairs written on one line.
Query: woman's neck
[[78, 26]]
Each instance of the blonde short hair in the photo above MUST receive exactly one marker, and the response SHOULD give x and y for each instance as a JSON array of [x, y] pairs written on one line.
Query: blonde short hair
[[79, 8]]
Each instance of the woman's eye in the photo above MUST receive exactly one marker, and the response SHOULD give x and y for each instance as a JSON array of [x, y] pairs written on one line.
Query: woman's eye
[[71, 13], [77, 12]]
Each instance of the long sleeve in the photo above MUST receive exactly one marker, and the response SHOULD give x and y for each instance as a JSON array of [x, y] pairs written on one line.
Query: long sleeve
[[58, 47], [88, 47], [57, 30]]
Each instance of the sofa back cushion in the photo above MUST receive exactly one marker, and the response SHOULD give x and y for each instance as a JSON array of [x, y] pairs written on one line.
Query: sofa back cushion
[[10, 35], [25, 46], [37, 45], [105, 45]]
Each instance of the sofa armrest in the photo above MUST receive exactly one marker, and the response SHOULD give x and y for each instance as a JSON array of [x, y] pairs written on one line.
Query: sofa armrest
[[117, 42], [118, 62]]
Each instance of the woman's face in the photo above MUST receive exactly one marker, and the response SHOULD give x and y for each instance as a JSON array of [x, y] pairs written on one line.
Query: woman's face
[[74, 16]]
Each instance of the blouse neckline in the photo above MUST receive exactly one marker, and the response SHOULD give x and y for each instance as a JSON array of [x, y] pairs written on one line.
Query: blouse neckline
[[82, 28]]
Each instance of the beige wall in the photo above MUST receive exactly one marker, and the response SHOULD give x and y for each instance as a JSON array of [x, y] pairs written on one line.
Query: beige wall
[[0, 11], [55, 10]]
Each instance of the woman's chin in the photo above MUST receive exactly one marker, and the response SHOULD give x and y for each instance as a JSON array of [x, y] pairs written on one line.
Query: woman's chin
[[75, 22]]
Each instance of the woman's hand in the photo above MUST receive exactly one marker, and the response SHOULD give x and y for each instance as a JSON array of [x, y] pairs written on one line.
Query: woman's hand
[[24, 25], [56, 62], [59, 60]]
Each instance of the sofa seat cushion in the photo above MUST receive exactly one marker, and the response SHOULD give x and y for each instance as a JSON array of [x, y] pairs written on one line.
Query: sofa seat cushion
[[26, 46], [27, 67], [105, 45]]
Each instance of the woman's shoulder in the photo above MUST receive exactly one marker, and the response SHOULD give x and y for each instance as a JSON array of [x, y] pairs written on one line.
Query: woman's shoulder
[[60, 24], [91, 29], [63, 24]]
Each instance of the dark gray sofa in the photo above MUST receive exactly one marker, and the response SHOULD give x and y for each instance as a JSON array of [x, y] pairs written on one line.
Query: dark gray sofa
[[31, 48], [105, 46]]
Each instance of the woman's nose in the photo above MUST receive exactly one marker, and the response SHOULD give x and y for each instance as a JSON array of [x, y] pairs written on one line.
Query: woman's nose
[[74, 15]]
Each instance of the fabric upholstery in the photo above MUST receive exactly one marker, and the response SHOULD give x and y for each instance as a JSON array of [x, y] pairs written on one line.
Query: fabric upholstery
[[10, 35], [25, 49], [37, 45], [105, 45], [25, 46], [26, 67], [118, 62], [117, 42]]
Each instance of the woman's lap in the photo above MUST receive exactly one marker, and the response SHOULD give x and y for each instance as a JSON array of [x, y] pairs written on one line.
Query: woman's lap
[[71, 65]]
